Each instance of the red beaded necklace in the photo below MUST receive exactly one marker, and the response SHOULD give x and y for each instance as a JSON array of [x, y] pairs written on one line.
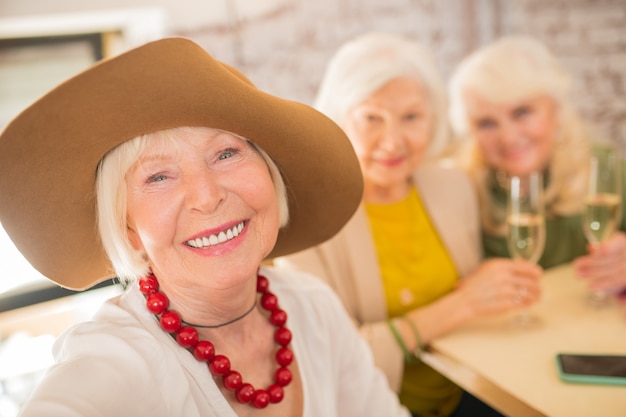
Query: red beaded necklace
[[219, 365]]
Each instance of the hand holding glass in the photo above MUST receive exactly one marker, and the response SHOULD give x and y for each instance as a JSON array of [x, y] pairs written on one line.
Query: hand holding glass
[[526, 223], [603, 209]]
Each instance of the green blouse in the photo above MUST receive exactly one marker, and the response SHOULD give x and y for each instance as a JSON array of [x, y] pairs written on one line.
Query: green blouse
[[565, 239]]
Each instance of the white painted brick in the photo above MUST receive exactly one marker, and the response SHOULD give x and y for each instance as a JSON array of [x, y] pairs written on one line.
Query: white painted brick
[[567, 39], [617, 62], [598, 16], [286, 52], [621, 134], [605, 36]]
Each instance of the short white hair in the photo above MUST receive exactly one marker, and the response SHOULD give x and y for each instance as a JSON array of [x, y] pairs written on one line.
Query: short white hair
[[368, 62], [111, 196], [510, 69]]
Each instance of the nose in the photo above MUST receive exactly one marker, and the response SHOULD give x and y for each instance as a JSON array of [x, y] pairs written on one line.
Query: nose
[[393, 137], [509, 134], [203, 191]]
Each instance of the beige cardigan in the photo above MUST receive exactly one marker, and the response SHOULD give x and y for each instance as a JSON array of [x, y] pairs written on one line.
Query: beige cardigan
[[349, 264]]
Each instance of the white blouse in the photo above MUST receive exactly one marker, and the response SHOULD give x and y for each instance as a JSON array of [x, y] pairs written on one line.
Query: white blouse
[[123, 364]]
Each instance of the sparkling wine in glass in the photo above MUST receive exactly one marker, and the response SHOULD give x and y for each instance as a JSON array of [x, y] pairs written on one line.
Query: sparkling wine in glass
[[526, 231], [603, 204]]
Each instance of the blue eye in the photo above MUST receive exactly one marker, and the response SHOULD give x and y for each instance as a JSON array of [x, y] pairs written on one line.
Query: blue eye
[[522, 111], [227, 154], [484, 124], [157, 178], [367, 117]]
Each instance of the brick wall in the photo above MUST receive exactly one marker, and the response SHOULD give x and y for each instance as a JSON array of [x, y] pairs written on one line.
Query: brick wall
[[286, 49], [286, 52]]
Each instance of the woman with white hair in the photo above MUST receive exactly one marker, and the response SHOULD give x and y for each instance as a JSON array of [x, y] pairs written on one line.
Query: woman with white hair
[[171, 171], [407, 266], [511, 101]]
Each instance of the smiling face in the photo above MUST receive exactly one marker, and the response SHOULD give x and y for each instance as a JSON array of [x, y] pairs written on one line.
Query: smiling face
[[390, 132], [516, 137], [202, 205]]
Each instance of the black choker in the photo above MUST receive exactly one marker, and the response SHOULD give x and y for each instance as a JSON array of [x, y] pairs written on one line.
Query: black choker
[[224, 324]]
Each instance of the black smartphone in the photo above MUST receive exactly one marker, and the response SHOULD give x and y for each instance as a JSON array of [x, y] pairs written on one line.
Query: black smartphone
[[592, 368]]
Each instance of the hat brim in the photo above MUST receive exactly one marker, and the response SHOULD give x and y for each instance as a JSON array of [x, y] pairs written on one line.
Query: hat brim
[[49, 153]]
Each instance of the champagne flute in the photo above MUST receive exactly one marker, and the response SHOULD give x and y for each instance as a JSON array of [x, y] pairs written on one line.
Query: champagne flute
[[603, 208], [526, 231]]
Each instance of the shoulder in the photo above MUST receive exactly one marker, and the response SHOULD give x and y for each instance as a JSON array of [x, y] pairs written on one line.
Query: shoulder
[[435, 178], [104, 362], [309, 302], [296, 283], [116, 328], [435, 171], [303, 294]]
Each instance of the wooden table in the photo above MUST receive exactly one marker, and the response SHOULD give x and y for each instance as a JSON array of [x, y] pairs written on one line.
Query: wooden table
[[514, 369]]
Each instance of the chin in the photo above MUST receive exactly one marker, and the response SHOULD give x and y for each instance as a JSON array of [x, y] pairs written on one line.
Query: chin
[[517, 167]]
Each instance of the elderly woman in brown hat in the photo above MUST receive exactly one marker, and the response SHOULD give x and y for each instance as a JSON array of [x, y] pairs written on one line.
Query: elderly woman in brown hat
[[171, 171]]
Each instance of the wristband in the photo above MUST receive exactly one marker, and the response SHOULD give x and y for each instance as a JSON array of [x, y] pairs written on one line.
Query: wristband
[[418, 340], [405, 352]]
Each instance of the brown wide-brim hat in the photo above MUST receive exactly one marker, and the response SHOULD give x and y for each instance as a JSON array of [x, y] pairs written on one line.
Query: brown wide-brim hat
[[50, 152]]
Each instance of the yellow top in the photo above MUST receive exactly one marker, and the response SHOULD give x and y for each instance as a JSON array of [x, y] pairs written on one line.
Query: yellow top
[[416, 270]]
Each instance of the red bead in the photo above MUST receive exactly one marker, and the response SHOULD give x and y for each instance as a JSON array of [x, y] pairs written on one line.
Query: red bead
[[278, 317], [187, 336], [245, 393], [276, 393], [204, 351], [157, 302], [284, 356], [233, 381], [148, 285], [282, 336], [262, 284], [260, 399], [269, 301], [170, 321], [219, 365], [282, 376]]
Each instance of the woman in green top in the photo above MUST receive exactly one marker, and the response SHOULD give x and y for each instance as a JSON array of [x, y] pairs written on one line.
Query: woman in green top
[[511, 99]]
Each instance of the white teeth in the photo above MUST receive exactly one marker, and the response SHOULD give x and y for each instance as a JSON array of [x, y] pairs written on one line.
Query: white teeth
[[215, 239]]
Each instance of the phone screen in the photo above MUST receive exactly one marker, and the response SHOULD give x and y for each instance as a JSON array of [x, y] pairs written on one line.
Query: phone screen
[[596, 365]]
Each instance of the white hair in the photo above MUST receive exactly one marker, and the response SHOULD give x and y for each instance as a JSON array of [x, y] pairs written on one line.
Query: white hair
[[366, 63], [510, 69]]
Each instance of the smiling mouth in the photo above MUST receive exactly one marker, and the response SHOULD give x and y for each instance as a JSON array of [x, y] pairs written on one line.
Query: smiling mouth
[[391, 161], [221, 237]]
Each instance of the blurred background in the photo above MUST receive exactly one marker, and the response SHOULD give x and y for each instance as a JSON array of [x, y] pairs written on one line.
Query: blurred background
[[283, 46]]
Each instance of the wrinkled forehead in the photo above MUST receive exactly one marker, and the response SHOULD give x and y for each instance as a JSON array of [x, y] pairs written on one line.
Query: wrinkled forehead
[[169, 142], [170, 139], [507, 76], [505, 87]]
